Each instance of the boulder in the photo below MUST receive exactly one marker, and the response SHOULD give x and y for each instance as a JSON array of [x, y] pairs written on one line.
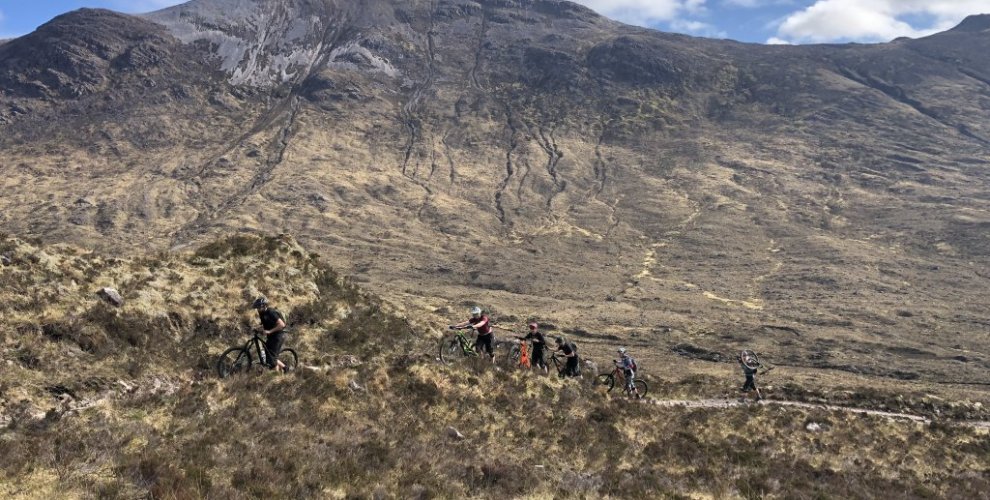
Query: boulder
[[5, 261], [813, 427], [111, 295], [454, 433]]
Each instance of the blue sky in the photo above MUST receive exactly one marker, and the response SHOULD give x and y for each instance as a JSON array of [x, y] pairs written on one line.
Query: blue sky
[[761, 21]]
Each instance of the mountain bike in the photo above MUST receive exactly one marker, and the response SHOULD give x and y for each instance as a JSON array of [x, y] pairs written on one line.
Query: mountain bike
[[559, 362], [617, 375], [456, 347], [240, 359]]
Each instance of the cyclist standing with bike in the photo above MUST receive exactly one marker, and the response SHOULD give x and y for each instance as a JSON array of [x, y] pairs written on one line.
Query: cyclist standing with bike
[[273, 326], [537, 358], [628, 366], [483, 326], [569, 350]]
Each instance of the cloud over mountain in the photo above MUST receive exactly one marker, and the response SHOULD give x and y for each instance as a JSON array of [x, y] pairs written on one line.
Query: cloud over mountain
[[875, 20]]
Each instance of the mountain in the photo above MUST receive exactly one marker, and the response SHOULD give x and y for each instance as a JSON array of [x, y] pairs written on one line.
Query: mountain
[[825, 204]]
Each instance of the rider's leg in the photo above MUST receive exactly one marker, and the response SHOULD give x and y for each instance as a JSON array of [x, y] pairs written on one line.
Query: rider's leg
[[273, 344]]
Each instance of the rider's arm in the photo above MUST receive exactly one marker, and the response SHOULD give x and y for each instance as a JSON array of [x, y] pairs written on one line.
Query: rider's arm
[[463, 324], [278, 327]]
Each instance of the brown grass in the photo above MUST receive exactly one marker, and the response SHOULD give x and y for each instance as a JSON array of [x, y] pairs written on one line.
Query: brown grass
[[116, 403]]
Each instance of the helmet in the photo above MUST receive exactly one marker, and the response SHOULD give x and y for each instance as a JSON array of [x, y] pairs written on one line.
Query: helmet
[[475, 311], [622, 351], [533, 326], [260, 302], [560, 340]]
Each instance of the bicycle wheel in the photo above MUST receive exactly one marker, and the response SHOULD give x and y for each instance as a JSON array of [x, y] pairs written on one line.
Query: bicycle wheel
[[450, 350], [607, 380], [288, 358], [641, 388], [232, 361], [750, 359], [512, 356]]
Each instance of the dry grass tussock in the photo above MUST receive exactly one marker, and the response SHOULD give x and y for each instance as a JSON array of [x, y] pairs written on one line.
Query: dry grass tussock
[[122, 403]]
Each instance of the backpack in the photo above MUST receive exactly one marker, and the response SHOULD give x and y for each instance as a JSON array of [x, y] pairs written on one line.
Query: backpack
[[632, 364]]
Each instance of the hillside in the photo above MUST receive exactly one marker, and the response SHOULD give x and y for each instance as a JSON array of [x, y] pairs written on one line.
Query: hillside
[[537, 158], [824, 205], [123, 402]]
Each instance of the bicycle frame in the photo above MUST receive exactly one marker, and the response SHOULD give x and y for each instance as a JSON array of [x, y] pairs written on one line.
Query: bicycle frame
[[259, 346], [466, 346]]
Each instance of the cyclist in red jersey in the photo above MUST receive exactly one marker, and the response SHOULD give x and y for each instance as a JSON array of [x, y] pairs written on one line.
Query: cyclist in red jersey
[[481, 324]]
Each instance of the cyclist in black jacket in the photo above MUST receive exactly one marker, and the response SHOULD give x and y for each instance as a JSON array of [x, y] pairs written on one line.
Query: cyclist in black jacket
[[569, 350], [539, 347], [273, 326]]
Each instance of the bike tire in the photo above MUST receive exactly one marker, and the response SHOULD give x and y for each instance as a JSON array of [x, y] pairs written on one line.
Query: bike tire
[[641, 388], [512, 356], [290, 359], [755, 360], [607, 380], [232, 361], [450, 350]]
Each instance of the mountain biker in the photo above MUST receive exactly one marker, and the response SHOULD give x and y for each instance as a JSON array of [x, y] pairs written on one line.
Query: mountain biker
[[537, 357], [749, 368], [483, 326], [628, 365], [273, 326], [569, 350]]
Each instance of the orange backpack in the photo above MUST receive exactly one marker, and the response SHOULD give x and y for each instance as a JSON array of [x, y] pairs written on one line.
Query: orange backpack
[[524, 355]]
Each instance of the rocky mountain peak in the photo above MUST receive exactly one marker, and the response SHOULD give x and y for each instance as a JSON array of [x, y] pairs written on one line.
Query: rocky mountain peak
[[974, 24], [75, 54]]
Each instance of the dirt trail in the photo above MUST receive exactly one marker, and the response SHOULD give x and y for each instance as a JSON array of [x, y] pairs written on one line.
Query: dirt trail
[[731, 403]]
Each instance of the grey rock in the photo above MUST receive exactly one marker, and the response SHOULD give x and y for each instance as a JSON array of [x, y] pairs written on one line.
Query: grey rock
[[111, 295], [455, 434], [5, 261], [813, 427]]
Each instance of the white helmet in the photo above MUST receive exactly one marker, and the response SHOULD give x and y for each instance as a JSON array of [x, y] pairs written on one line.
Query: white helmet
[[622, 351], [475, 311]]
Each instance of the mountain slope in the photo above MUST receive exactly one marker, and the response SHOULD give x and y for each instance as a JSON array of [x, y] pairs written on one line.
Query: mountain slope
[[625, 185], [123, 402]]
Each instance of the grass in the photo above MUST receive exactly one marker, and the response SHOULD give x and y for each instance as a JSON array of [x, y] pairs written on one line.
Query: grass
[[122, 402]]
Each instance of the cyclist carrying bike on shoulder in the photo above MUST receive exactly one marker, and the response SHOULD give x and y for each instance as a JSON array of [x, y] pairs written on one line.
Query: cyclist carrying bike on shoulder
[[483, 326], [628, 366], [537, 357], [273, 326], [750, 365]]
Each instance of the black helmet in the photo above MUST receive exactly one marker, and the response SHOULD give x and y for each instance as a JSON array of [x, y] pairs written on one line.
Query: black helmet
[[260, 302], [560, 340]]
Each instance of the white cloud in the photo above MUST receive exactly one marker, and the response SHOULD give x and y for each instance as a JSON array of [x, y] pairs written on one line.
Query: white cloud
[[645, 12], [777, 41], [753, 4], [697, 28], [875, 20]]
